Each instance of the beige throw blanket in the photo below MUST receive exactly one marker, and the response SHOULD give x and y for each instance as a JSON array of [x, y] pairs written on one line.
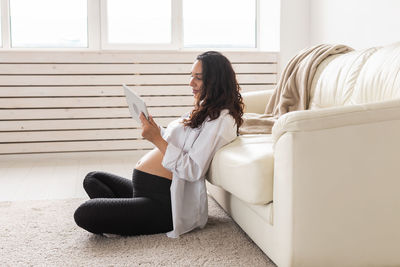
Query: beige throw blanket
[[293, 89]]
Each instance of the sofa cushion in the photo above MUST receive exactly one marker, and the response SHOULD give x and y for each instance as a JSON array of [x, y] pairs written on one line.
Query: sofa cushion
[[379, 79], [245, 168], [335, 78]]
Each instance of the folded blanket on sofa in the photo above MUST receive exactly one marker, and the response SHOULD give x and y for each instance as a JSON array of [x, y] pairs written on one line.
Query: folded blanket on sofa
[[293, 89]]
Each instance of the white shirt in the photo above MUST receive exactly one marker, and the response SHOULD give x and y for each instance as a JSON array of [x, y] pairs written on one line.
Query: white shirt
[[188, 157]]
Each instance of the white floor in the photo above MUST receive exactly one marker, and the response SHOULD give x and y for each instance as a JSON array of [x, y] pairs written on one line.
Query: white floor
[[58, 176]]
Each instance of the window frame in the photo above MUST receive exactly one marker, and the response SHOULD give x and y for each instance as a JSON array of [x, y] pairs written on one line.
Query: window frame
[[97, 31], [5, 24]]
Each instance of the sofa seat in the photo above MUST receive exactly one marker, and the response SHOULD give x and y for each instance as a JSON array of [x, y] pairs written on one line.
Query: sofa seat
[[245, 168]]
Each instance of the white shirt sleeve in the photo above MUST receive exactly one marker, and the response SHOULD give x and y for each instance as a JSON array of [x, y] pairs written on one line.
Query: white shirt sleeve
[[193, 164]]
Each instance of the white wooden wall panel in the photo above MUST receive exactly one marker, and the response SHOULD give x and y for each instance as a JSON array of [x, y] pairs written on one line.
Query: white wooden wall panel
[[118, 68], [70, 135], [74, 102], [25, 126], [35, 91], [82, 113], [134, 79], [79, 146], [128, 57]]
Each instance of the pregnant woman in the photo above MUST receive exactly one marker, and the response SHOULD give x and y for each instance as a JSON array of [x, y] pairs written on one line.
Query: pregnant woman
[[167, 193]]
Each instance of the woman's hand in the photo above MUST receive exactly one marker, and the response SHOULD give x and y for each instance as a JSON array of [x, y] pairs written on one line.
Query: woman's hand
[[151, 132]]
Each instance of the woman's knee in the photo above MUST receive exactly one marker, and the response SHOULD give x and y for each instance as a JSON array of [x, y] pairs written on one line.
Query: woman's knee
[[80, 215], [89, 179], [83, 217]]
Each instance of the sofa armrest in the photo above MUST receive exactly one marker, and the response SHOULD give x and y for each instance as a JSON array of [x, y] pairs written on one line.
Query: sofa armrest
[[336, 178], [327, 118], [256, 101]]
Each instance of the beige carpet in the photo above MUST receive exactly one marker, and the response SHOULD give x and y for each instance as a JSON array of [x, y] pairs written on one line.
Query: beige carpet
[[43, 233]]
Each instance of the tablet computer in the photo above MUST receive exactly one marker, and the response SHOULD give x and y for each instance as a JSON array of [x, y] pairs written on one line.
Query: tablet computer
[[135, 103]]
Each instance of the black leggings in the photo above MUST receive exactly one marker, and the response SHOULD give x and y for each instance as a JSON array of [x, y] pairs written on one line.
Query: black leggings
[[123, 207]]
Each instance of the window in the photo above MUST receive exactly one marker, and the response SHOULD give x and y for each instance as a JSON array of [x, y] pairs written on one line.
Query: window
[[222, 23], [1, 29], [48, 23], [140, 24], [139, 21]]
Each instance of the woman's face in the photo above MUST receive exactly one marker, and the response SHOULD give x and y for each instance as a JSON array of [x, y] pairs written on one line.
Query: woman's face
[[196, 80]]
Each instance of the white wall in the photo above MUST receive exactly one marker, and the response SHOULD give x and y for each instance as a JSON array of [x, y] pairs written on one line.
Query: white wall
[[295, 24], [269, 25], [357, 23]]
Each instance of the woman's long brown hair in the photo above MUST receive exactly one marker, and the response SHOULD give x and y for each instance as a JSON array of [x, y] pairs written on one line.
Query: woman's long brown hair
[[220, 91]]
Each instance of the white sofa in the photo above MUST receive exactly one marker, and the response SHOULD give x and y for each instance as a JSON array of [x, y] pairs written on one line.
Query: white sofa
[[324, 188]]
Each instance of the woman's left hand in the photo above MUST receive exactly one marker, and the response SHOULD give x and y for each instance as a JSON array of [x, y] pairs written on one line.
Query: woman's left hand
[[150, 129], [151, 132]]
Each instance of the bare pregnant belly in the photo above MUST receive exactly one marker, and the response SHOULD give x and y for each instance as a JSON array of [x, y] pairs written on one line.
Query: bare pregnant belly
[[151, 163]]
